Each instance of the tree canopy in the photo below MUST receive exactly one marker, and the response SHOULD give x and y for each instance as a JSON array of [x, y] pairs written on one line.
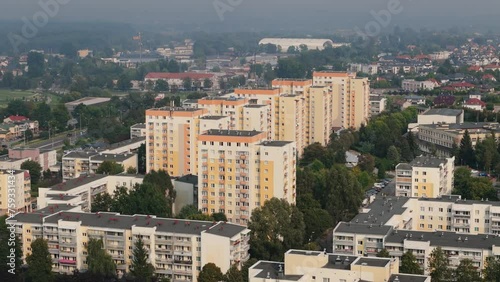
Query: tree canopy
[[409, 264], [141, 268], [210, 273], [39, 262], [109, 167], [98, 260]]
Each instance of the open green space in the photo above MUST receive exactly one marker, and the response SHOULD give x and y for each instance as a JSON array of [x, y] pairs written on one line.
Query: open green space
[[6, 95]]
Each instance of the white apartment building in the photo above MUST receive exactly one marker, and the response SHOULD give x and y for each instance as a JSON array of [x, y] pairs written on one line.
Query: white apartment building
[[138, 130], [178, 249], [378, 104], [82, 191], [412, 85], [306, 266], [427, 177], [240, 170]]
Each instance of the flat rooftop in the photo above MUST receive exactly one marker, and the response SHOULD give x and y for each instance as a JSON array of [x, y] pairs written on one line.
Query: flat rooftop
[[36, 217], [445, 239], [458, 200], [275, 271], [232, 132], [80, 154], [466, 125], [88, 101], [73, 183], [255, 106], [112, 157], [275, 143], [213, 117], [381, 210], [443, 112], [427, 161], [188, 178], [175, 109], [139, 126], [376, 262], [363, 228], [407, 278]]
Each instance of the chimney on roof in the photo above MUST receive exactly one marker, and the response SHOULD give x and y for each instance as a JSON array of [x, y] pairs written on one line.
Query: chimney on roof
[[346, 261]]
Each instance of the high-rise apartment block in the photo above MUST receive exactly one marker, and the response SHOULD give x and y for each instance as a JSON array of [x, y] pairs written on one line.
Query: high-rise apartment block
[[240, 170], [177, 248], [425, 177], [351, 97]]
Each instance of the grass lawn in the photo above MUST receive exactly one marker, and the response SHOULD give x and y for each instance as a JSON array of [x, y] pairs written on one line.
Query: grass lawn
[[6, 95]]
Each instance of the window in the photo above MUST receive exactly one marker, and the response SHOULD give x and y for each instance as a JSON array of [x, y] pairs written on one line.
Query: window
[[326, 279]]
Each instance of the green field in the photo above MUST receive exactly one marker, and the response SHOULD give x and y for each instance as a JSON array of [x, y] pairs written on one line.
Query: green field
[[7, 95]]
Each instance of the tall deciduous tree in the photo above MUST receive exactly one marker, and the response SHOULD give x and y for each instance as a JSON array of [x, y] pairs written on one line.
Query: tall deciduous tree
[[233, 274], [467, 272], [383, 254], [141, 159], [492, 270], [409, 264], [39, 262], [210, 273], [276, 227], [98, 260], [36, 64], [35, 170], [439, 266], [141, 269], [109, 167]]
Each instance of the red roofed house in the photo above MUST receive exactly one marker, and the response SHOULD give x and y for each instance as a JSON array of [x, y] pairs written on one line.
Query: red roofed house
[[489, 77], [462, 86], [12, 119], [178, 79], [475, 104], [475, 68], [492, 67]]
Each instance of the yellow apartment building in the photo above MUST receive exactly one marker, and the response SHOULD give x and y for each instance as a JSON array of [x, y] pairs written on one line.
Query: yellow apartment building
[[171, 139], [427, 177], [351, 97], [240, 170], [15, 188]]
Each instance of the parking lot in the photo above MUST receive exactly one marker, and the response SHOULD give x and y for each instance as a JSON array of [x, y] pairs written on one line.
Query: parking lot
[[384, 187]]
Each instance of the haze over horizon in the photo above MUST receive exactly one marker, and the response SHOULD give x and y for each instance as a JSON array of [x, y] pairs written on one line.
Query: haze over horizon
[[261, 14]]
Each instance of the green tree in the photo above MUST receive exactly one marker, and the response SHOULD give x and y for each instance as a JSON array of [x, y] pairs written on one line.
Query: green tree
[[161, 86], [276, 227], [36, 64], [207, 83], [466, 152], [35, 170], [492, 269], [409, 264], [39, 262], [8, 79], [318, 219], [7, 262], [124, 83], [17, 107], [141, 159], [98, 260], [131, 170], [233, 274], [439, 266], [383, 254], [393, 155], [141, 269], [210, 273], [102, 202], [467, 272], [109, 167], [244, 268], [187, 83], [28, 135], [187, 211], [60, 118], [162, 180], [219, 216], [366, 163]]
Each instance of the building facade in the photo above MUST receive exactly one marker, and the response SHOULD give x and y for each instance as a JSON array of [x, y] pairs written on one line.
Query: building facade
[[426, 177], [15, 191], [178, 249], [240, 170], [351, 97]]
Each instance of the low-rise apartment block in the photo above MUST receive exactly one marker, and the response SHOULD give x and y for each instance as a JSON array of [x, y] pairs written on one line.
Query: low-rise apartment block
[[378, 104], [412, 85], [305, 266], [240, 170], [427, 177], [441, 137], [81, 163], [438, 116], [15, 188], [81, 191], [178, 249], [138, 130]]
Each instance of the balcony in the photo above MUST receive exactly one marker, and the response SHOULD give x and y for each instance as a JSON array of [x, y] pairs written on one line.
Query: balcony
[[185, 262], [243, 157], [67, 261], [242, 182], [243, 165]]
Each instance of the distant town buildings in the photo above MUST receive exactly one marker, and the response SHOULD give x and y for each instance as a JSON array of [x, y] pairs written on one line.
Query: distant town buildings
[[178, 79], [371, 69], [427, 177], [413, 85]]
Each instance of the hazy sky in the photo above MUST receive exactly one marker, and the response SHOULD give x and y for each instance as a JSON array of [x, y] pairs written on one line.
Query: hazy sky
[[285, 13]]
